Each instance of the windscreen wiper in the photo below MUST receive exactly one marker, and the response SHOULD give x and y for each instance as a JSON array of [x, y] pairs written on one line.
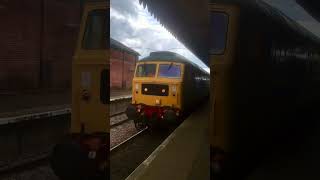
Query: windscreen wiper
[[170, 66]]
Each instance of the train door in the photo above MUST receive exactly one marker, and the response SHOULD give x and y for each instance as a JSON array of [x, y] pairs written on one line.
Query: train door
[[91, 73], [223, 36]]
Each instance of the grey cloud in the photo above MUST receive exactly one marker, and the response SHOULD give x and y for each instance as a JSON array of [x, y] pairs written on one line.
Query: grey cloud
[[125, 7], [120, 28], [143, 40]]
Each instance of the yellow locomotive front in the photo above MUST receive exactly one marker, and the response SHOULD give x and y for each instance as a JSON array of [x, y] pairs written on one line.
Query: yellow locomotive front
[[156, 91]]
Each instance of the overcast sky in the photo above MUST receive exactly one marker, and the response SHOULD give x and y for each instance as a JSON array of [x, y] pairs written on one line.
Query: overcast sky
[[134, 26]]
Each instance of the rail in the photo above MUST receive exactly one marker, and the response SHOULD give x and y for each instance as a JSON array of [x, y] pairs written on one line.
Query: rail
[[123, 143]]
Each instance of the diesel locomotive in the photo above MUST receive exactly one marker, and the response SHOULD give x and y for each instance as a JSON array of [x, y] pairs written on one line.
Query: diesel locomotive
[[165, 87], [84, 155]]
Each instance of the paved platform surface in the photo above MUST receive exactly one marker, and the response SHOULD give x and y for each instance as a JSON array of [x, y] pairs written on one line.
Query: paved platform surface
[[184, 155], [14, 104], [23, 103]]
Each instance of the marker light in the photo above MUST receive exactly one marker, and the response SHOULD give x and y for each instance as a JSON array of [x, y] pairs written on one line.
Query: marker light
[[137, 88], [157, 101], [146, 89], [174, 89]]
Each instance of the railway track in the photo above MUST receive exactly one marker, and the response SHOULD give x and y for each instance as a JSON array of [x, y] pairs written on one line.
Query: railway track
[[26, 163], [128, 155], [37, 159], [127, 141], [114, 119]]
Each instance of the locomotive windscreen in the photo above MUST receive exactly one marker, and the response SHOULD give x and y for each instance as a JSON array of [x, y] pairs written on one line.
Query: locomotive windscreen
[[169, 71]]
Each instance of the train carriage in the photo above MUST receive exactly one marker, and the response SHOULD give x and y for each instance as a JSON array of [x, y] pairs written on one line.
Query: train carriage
[[264, 69], [165, 87]]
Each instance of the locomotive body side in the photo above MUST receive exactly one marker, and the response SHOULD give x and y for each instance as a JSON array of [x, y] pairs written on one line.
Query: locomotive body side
[[84, 152]]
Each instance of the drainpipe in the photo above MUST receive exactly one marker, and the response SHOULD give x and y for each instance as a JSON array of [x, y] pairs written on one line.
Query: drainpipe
[[135, 60], [42, 46], [123, 69]]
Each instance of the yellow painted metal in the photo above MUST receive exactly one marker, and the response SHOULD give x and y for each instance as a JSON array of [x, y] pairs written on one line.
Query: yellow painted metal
[[90, 115], [221, 68], [170, 100]]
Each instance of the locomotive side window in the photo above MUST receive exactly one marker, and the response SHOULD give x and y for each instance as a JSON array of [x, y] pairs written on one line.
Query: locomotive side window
[[219, 30], [95, 36], [169, 71], [104, 87], [146, 70]]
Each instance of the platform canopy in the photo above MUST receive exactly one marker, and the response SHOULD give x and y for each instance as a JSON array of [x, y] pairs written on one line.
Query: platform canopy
[[188, 20], [312, 7]]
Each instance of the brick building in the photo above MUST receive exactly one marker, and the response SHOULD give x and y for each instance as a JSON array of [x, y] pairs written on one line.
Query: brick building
[[37, 43], [122, 65]]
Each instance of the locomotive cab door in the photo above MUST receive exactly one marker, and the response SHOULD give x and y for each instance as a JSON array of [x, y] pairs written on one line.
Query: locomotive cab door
[[224, 21], [90, 83]]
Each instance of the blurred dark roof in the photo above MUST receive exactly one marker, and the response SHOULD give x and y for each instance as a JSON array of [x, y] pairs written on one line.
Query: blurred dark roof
[[312, 7], [118, 45], [188, 20], [169, 56]]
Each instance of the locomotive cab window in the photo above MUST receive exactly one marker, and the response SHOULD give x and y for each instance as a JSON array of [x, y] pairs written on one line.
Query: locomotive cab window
[[169, 71], [105, 87], [146, 70], [219, 30], [95, 36]]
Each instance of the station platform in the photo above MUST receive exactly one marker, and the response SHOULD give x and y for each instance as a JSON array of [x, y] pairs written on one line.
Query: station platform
[[184, 155], [15, 104]]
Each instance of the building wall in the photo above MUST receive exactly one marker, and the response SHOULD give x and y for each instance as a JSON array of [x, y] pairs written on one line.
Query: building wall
[[20, 44], [29, 39], [122, 68], [62, 23]]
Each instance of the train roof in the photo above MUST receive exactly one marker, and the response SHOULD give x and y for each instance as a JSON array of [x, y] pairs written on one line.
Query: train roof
[[169, 56]]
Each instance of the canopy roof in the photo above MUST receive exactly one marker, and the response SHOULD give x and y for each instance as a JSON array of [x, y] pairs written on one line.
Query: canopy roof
[[188, 20]]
